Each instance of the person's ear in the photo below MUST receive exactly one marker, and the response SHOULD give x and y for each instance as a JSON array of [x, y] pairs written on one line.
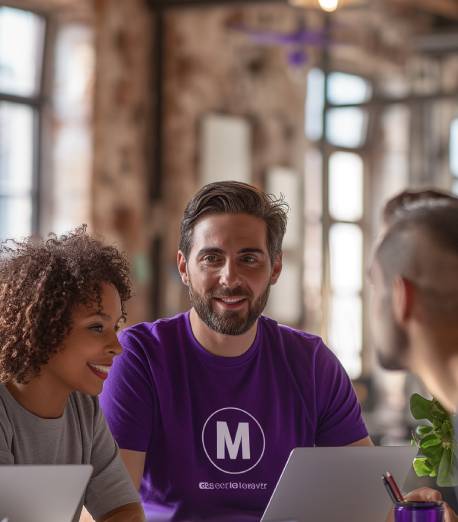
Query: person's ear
[[276, 269], [402, 299], [182, 267]]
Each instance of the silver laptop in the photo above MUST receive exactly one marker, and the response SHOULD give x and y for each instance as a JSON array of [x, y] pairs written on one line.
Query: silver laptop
[[336, 484], [41, 493]]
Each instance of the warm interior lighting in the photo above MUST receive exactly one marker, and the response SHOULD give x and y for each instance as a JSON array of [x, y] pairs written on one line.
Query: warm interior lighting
[[329, 5], [326, 5]]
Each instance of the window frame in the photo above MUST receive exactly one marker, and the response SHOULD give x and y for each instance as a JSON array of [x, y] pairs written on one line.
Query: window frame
[[326, 149], [36, 103]]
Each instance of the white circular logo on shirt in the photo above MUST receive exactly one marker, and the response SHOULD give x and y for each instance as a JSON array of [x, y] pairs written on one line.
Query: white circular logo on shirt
[[233, 440]]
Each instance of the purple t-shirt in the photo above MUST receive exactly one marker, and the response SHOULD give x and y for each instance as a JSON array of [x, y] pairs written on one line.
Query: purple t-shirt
[[217, 431]]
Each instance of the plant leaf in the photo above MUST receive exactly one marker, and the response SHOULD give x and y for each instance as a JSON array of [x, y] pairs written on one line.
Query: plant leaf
[[430, 440], [433, 454], [421, 466], [422, 430], [438, 413], [447, 430], [446, 474], [421, 408]]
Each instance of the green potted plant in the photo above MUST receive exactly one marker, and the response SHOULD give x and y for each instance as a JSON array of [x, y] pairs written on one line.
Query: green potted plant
[[437, 447]]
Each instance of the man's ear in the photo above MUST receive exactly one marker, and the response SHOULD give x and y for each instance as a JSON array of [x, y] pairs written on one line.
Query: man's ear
[[182, 267], [402, 299], [276, 269]]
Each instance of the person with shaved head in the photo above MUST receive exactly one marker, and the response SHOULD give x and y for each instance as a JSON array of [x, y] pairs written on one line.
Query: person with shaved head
[[415, 280], [409, 199], [414, 303]]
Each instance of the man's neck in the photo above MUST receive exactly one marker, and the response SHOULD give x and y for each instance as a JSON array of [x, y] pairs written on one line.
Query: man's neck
[[435, 360], [220, 344]]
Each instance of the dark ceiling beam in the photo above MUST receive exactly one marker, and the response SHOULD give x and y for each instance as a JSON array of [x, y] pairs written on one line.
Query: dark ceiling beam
[[445, 8], [166, 4]]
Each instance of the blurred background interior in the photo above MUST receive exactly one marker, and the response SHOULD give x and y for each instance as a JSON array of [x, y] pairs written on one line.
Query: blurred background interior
[[114, 112]]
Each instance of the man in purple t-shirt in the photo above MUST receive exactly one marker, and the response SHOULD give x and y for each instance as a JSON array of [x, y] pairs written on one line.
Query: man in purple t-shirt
[[207, 405]]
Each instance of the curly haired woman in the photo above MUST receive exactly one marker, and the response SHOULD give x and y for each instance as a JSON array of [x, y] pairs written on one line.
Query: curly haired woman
[[61, 302]]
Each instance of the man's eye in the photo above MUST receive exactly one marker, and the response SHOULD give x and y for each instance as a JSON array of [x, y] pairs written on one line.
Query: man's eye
[[96, 328], [249, 259], [210, 258]]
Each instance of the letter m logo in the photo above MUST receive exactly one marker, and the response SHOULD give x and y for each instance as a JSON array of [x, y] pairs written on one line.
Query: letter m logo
[[224, 440]]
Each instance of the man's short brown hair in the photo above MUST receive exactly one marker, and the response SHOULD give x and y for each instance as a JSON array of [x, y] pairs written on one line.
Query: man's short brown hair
[[234, 197]]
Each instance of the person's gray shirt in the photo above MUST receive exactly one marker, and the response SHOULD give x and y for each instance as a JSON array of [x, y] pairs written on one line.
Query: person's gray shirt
[[80, 436]]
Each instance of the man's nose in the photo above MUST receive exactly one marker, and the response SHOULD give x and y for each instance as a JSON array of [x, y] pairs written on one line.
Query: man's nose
[[229, 275]]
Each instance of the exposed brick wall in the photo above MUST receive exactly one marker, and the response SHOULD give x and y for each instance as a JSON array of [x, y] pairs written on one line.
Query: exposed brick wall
[[122, 135], [211, 67]]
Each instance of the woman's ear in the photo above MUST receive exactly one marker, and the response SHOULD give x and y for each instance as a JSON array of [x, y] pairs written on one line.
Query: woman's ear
[[182, 267]]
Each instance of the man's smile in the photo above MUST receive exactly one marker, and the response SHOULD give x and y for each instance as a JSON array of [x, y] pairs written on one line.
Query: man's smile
[[230, 302]]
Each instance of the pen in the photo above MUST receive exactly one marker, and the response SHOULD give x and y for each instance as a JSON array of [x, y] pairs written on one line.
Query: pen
[[388, 489], [394, 488]]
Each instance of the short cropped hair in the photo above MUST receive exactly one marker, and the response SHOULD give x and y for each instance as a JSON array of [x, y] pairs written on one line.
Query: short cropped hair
[[407, 200], [233, 197], [399, 249], [41, 283]]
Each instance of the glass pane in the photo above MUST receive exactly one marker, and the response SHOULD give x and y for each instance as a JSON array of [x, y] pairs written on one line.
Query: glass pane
[[74, 72], [312, 185], [345, 332], [346, 186], [346, 127], [396, 128], [21, 51], [347, 88], [454, 147], [314, 103], [455, 188], [15, 217], [72, 151], [16, 148], [346, 251]]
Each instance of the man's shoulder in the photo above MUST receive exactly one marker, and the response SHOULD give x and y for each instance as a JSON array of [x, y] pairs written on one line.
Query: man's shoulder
[[291, 335], [297, 345], [155, 329], [148, 338]]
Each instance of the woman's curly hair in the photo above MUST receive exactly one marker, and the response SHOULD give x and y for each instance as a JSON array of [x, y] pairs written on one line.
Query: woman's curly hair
[[41, 283]]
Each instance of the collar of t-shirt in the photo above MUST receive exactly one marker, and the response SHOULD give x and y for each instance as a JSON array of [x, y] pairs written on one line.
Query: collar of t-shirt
[[218, 360]]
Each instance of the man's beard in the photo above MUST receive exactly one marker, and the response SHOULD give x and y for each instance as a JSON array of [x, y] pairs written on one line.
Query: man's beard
[[395, 342], [228, 322]]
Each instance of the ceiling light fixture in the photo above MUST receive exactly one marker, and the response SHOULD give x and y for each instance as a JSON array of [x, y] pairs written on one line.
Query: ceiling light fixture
[[329, 5], [326, 5]]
